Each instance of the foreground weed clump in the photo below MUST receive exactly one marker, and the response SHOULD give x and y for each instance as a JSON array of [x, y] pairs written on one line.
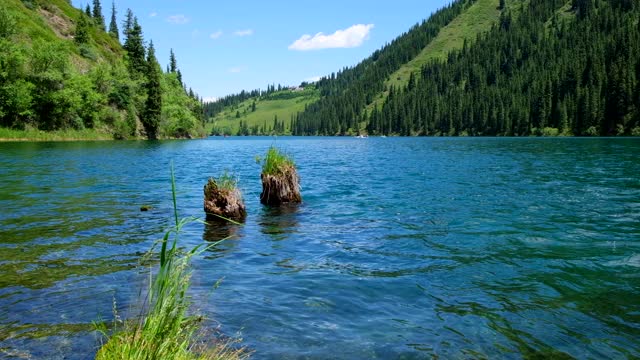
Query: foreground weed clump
[[280, 181], [164, 330]]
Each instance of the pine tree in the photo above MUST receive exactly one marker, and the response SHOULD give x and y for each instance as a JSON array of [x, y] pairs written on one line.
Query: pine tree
[[134, 45], [153, 104], [179, 76], [128, 25], [173, 64], [113, 26], [82, 30], [503, 4], [97, 14], [87, 10]]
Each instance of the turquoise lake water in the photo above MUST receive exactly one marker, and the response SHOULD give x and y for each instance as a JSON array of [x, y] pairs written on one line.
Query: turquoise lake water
[[403, 247]]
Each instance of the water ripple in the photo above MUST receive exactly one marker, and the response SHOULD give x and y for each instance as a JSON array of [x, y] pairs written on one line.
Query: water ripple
[[403, 248]]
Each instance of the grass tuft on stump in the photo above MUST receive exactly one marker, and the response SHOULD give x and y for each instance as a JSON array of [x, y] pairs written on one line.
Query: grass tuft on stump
[[280, 180], [223, 199]]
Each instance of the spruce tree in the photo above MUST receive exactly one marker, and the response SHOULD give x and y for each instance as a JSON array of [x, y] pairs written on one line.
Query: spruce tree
[[97, 14], [113, 26], [153, 104], [173, 64], [128, 25], [134, 45], [179, 76], [87, 10], [82, 30]]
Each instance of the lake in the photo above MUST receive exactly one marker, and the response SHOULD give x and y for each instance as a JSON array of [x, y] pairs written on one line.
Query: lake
[[403, 247]]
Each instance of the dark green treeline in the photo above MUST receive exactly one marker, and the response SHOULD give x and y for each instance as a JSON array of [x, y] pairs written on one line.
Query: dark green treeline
[[549, 67]]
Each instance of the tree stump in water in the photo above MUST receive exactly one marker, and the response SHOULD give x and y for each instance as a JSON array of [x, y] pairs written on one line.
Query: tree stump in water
[[281, 187], [223, 202]]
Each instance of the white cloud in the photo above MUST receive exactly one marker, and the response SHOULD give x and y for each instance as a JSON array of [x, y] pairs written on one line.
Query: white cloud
[[313, 79], [210, 99], [153, 14], [247, 32], [178, 19], [237, 69], [216, 35], [347, 38]]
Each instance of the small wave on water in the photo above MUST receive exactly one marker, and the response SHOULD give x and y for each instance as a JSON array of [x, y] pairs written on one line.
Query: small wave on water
[[633, 261]]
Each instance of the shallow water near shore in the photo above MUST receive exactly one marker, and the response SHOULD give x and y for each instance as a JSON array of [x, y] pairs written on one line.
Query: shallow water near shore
[[402, 247]]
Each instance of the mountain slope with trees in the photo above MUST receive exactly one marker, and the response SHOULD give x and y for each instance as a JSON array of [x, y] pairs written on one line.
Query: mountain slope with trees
[[548, 67], [544, 67], [557, 68], [63, 69]]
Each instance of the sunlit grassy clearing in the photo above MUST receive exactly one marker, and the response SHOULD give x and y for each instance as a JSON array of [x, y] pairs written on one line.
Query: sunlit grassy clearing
[[266, 111]]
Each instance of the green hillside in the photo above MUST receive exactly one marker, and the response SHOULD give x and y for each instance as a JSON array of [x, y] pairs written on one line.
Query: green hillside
[[475, 20], [547, 67], [435, 38], [54, 21], [65, 75], [280, 105], [484, 67], [557, 68]]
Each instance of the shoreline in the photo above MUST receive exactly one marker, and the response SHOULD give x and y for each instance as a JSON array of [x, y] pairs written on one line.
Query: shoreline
[[5, 140]]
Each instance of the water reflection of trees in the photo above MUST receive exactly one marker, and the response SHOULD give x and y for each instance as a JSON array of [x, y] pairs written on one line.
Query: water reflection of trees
[[279, 221]]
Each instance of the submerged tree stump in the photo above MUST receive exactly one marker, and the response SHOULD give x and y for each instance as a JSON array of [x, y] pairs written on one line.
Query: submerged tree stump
[[223, 202], [281, 187]]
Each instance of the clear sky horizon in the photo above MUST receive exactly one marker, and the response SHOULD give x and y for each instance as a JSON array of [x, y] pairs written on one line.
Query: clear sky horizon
[[225, 47]]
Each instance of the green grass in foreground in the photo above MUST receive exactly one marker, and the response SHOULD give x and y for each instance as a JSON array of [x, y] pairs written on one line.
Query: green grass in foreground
[[58, 135], [276, 162], [165, 330], [266, 111]]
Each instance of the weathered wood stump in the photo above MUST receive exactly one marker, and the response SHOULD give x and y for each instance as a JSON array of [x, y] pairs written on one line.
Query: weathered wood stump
[[222, 202], [281, 187]]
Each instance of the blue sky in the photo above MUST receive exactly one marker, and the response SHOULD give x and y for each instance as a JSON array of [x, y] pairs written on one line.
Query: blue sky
[[223, 47]]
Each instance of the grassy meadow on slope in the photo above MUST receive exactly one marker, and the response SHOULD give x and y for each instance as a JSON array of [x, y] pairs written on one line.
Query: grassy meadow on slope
[[54, 21], [281, 105], [476, 20]]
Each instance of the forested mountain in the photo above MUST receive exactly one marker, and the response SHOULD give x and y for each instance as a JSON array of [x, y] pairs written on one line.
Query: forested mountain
[[548, 67], [64, 68], [346, 94]]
